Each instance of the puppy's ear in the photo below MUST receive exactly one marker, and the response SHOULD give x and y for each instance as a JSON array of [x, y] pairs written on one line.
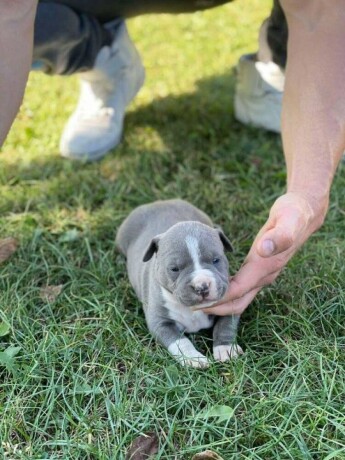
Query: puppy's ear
[[153, 247], [225, 240]]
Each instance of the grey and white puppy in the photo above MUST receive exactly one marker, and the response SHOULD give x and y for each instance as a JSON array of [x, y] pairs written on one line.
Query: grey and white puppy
[[176, 264]]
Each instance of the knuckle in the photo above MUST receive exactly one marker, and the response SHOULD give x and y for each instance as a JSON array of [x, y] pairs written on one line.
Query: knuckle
[[319, 221], [273, 277], [287, 240], [270, 278], [278, 263]]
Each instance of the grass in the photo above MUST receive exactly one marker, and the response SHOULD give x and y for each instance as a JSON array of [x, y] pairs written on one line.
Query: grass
[[87, 379]]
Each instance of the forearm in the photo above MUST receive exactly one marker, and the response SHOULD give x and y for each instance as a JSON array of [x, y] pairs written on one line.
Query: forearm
[[313, 118], [16, 38], [313, 130]]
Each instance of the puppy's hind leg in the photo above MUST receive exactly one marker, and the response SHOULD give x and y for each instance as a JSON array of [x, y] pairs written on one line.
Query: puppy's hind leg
[[224, 338], [181, 348]]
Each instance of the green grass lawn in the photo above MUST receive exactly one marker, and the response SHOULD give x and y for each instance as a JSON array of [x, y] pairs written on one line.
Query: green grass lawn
[[84, 378]]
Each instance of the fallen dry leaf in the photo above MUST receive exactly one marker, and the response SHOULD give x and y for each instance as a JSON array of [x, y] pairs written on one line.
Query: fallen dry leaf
[[143, 447], [7, 247], [207, 455], [50, 293]]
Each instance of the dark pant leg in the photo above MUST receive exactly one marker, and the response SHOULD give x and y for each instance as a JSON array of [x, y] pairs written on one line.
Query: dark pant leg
[[277, 34], [66, 41], [69, 33], [106, 10]]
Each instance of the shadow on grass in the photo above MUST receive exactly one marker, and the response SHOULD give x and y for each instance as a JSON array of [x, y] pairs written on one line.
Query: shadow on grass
[[200, 120], [188, 145]]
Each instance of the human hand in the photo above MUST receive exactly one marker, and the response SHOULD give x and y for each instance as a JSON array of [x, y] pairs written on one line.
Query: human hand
[[292, 219]]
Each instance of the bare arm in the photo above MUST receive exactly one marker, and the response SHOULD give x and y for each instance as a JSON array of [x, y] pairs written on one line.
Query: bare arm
[[314, 105], [16, 37], [313, 130]]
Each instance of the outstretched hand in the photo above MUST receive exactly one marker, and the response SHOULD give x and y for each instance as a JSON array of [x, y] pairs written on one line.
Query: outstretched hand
[[291, 221]]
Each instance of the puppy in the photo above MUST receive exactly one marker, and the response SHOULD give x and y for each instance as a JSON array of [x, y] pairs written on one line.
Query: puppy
[[176, 265]]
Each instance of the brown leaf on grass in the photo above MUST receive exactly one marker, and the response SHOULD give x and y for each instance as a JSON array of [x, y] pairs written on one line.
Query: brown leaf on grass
[[207, 455], [7, 247], [50, 293], [143, 447]]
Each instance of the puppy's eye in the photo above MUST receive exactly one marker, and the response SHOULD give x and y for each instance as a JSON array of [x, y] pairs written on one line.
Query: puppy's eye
[[216, 260], [175, 269]]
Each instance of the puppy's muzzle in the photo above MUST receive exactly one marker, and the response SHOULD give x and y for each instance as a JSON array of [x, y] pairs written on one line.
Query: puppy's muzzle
[[202, 290]]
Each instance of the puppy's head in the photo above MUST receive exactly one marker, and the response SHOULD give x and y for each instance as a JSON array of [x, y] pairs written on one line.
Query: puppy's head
[[190, 263]]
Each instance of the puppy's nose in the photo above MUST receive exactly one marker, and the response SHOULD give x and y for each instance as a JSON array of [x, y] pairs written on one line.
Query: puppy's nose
[[202, 289]]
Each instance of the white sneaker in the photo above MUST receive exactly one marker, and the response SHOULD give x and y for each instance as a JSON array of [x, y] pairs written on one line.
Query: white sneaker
[[259, 93], [96, 125]]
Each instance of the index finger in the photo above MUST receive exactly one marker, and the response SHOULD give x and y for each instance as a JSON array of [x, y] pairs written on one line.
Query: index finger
[[256, 272], [233, 307]]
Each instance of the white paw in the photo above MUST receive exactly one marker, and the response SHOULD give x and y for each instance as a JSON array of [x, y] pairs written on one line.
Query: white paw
[[184, 351], [199, 361], [226, 352]]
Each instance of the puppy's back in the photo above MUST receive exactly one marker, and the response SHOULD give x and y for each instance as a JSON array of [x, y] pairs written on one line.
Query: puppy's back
[[154, 218]]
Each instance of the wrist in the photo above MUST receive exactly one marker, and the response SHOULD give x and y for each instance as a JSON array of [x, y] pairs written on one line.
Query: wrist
[[313, 203]]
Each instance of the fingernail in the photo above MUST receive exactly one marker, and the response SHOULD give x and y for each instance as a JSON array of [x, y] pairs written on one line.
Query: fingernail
[[267, 247]]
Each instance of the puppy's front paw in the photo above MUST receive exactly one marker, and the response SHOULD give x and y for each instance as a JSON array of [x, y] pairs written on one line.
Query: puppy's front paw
[[226, 352], [184, 351], [199, 361]]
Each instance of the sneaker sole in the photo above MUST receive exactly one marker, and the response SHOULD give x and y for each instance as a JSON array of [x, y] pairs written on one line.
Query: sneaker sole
[[92, 156]]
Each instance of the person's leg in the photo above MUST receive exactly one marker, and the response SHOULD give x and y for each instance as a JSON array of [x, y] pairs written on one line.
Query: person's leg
[[91, 37], [65, 41], [260, 76], [105, 10], [277, 35], [69, 41], [70, 33], [116, 76]]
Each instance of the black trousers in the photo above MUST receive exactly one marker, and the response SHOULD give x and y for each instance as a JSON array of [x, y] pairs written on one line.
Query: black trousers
[[70, 33]]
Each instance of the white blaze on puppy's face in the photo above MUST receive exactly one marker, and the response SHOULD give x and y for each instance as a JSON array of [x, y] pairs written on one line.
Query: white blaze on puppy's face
[[200, 276]]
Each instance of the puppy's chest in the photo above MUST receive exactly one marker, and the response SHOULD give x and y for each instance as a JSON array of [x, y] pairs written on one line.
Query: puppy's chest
[[186, 319]]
